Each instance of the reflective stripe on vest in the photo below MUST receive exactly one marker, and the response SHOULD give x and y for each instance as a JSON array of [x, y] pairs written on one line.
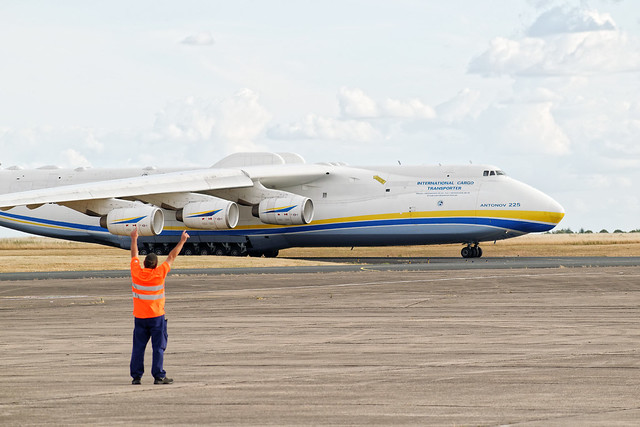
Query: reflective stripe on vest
[[148, 297], [147, 288]]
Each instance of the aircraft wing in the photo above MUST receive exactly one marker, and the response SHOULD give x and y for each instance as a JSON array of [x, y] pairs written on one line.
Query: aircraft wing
[[185, 181], [201, 180]]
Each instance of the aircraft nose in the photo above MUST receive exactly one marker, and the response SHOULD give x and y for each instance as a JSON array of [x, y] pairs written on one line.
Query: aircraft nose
[[552, 211]]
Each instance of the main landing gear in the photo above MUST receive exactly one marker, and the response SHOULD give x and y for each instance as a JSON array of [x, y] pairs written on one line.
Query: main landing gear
[[469, 251], [227, 249]]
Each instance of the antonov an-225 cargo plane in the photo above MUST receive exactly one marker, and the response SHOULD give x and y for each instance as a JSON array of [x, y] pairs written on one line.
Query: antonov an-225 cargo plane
[[259, 203]]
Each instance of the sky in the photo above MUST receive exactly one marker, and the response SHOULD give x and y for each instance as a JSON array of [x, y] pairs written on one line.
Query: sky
[[548, 91]]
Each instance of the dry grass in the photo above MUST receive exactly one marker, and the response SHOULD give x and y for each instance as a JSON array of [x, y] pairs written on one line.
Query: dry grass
[[548, 245], [41, 254]]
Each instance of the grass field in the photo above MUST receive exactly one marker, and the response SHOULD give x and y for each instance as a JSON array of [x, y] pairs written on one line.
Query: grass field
[[42, 254]]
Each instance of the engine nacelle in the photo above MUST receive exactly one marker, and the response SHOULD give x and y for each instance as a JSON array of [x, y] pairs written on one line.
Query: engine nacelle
[[148, 219], [213, 215], [294, 210]]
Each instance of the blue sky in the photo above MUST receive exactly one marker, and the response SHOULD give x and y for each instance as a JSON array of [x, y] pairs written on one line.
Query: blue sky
[[546, 90]]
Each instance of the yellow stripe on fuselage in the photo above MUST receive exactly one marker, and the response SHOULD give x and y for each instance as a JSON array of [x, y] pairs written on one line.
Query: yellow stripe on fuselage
[[37, 224], [534, 216]]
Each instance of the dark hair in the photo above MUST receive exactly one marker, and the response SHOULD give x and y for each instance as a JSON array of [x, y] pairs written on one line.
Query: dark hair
[[151, 261]]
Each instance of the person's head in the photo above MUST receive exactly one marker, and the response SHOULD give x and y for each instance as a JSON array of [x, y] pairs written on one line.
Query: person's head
[[151, 261]]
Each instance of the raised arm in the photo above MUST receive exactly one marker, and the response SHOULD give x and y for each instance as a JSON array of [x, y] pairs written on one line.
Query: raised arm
[[134, 243], [175, 251]]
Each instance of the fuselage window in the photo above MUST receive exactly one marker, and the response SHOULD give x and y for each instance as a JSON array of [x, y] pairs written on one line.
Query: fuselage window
[[485, 173], [493, 173]]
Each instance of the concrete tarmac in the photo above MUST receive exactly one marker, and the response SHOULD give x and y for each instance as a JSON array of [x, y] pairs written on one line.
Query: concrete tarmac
[[530, 347]]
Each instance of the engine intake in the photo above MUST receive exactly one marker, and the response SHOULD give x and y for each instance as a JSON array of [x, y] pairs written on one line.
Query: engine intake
[[294, 210], [215, 215], [148, 219]]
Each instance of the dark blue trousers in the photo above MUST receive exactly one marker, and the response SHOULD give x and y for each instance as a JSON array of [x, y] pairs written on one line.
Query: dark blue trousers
[[156, 329]]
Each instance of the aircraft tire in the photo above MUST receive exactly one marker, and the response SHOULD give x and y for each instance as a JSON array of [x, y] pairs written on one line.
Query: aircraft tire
[[471, 252], [272, 253], [466, 252], [235, 250]]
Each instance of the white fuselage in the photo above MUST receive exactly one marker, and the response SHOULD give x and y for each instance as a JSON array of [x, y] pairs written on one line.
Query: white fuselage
[[353, 206]]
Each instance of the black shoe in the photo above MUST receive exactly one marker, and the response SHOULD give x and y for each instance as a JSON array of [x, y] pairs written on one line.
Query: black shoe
[[136, 381], [164, 380]]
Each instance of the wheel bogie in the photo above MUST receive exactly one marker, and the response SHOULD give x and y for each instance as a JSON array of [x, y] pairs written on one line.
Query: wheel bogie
[[201, 248], [471, 251]]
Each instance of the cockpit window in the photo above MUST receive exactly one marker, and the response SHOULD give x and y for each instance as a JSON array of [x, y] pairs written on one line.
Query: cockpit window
[[493, 173]]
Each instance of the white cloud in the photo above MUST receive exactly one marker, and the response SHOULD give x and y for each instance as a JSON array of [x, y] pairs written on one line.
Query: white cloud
[[34, 147], [355, 104], [196, 130], [191, 131], [462, 106], [411, 109], [506, 56], [74, 159], [235, 121], [525, 129], [93, 143], [326, 128], [562, 43], [362, 119], [561, 20], [200, 39]]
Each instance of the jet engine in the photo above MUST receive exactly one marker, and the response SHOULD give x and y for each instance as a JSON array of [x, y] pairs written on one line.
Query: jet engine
[[148, 219], [210, 215], [293, 210]]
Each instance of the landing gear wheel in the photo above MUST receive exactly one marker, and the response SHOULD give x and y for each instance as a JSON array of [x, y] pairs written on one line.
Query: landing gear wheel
[[271, 253], [471, 252], [235, 250], [219, 250], [466, 252]]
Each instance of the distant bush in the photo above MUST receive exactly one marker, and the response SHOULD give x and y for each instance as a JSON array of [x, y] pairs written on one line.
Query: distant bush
[[563, 231], [583, 231]]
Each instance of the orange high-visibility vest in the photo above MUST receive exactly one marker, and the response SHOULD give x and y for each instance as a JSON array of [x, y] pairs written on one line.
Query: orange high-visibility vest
[[147, 285]]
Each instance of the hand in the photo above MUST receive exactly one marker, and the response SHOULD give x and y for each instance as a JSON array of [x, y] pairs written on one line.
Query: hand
[[184, 236], [134, 233]]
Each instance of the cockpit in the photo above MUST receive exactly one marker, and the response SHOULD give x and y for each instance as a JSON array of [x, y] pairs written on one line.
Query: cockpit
[[493, 172]]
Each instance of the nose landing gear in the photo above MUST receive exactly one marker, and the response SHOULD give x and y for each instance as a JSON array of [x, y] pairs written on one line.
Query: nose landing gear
[[469, 251]]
